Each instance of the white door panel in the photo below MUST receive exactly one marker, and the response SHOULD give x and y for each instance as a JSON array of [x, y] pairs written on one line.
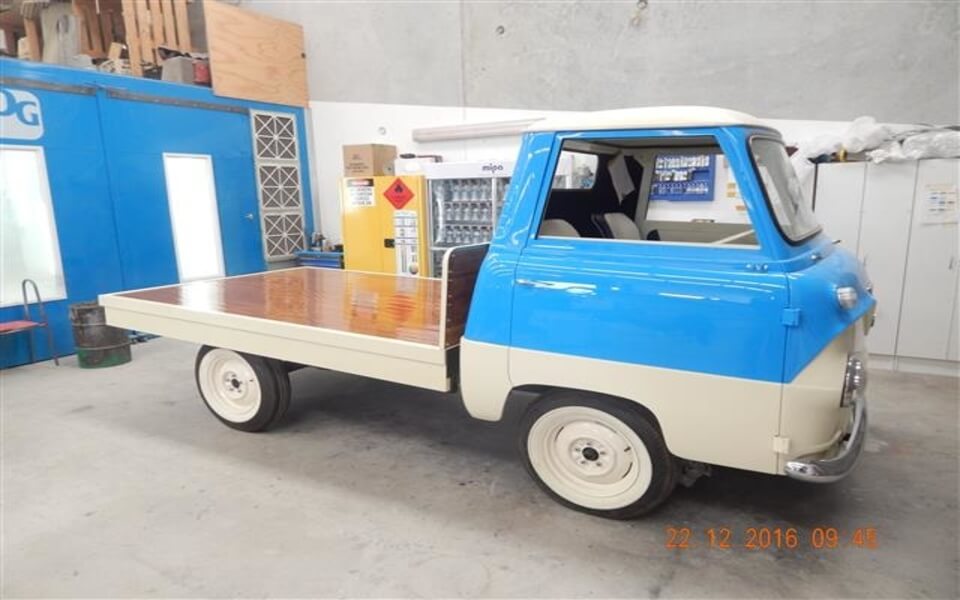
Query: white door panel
[[884, 231], [192, 197], [931, 276], [953, 346]]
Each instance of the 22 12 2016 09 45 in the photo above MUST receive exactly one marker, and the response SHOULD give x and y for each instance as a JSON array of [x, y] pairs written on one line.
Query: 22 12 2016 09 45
[[771, 537]]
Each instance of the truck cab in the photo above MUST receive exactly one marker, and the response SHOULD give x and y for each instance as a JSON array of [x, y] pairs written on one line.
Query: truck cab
[[686, 281]]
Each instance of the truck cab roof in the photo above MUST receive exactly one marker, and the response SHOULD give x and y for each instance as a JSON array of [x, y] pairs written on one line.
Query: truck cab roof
[[649, 117]]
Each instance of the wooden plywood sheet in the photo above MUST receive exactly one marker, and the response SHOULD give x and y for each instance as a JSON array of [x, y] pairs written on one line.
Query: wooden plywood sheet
[[388, 306], [255, 57]]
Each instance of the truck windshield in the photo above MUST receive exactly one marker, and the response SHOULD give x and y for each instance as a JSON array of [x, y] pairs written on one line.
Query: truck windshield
[[795, 218]]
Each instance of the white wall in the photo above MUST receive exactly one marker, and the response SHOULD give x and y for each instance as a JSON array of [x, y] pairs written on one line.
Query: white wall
[[335, 124], [338, 123], [894, 60]]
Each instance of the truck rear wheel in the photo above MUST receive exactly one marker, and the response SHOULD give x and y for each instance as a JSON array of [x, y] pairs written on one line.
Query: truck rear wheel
[[246, 392], [597, 455]]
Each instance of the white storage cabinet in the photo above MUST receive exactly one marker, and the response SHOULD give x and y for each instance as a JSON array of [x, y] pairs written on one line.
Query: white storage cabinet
[[901, 220]]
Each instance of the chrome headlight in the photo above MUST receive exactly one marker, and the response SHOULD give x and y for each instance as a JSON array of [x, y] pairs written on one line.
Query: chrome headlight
[[854, 380], [847, 296]]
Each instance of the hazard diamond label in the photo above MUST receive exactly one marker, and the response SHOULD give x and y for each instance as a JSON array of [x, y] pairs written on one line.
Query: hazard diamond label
[[398, 194]]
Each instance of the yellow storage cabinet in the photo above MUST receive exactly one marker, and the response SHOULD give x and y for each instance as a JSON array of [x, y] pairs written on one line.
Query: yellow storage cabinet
[[385, 224]]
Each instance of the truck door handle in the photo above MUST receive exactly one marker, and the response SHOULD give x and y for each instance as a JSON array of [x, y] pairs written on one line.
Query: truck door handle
[[526, 282]]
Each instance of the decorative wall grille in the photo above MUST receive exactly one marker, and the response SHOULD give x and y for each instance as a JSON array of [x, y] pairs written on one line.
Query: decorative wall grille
[[277, 155]]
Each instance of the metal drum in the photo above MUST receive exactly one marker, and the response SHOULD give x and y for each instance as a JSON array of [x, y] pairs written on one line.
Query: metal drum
[[98, 344]]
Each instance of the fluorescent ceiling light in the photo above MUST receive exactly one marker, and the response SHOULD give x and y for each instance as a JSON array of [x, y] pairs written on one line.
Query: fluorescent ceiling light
[[472, 131]]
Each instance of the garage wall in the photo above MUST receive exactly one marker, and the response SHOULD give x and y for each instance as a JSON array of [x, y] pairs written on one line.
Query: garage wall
[[822, 60]]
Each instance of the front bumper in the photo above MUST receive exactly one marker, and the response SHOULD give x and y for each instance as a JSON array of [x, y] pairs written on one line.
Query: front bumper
[[837, 467]]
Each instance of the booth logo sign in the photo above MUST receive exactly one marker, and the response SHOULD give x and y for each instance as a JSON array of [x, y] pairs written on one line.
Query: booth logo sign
[[492, 167], [20, 117]]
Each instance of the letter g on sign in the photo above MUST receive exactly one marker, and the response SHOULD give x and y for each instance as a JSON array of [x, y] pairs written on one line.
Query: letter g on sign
[[20, 116]]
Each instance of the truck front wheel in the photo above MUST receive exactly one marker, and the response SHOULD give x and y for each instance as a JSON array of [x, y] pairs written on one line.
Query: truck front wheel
[[246, 392], [597, 455]]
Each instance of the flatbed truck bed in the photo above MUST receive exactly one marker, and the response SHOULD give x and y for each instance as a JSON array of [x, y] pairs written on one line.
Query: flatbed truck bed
[[390, 327]]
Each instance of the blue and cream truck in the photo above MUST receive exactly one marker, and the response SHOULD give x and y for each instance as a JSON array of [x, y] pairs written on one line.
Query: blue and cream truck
[[677, 309]]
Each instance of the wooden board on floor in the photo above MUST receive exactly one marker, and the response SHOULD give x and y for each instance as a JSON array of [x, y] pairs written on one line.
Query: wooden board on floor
[[376, 304], [132, 37], [98, 20], [34, 39], [179, 9], [255, 57]]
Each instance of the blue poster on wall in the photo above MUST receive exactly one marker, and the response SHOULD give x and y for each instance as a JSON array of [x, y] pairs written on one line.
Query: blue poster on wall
[[683, 177]]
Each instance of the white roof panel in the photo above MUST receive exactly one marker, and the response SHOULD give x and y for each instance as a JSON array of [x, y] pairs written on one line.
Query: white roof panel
[[648, 117]]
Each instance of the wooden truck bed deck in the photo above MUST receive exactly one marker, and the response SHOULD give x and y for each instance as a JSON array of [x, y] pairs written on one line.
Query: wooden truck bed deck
[[379, 325], [387, 306]]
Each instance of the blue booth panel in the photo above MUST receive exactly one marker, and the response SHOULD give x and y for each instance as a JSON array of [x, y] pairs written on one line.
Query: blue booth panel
[[104, 138]]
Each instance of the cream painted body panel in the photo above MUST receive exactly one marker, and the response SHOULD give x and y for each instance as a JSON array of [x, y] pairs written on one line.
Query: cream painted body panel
[[646, 118], [740, 423], [420, 365], [709, 418], [812, 419], [484, 378]]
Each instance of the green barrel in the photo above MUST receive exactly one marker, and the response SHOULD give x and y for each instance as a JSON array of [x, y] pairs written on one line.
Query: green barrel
[[98, 344]]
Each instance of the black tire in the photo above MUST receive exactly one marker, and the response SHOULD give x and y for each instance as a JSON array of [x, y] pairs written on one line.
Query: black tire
[[664, 472], [273, 384], [285, 392]]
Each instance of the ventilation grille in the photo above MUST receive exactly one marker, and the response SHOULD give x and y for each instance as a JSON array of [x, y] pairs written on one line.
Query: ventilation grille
[[278, 184]]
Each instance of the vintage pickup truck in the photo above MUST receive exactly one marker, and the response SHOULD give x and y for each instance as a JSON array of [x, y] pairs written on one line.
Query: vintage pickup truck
[[679, 308]]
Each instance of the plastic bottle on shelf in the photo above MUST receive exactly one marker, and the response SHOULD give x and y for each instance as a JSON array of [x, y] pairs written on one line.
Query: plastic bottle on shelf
[[455, 208], [457, 190]]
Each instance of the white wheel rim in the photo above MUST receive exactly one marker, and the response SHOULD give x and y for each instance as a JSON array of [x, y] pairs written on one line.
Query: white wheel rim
[[229, 385], [589, 457]]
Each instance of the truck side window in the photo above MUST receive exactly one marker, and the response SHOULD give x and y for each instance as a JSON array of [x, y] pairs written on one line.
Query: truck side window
[[652, 190]]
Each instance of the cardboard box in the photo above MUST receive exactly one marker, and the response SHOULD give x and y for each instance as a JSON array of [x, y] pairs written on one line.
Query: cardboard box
[[368, 160]]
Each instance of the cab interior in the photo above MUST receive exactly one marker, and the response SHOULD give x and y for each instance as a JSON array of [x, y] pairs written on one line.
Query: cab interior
[[617, 202]]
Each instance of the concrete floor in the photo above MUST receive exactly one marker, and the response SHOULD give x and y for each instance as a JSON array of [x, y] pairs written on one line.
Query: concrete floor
[[118, 483]]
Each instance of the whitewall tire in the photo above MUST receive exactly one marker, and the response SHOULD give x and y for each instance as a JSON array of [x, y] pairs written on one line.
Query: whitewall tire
[[598, 455], [245, 392]]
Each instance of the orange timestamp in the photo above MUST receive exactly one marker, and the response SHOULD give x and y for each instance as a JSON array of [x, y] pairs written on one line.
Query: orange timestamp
[[771, 538]]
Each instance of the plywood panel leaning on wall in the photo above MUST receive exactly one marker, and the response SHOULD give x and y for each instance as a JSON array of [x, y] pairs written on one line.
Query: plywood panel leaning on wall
[[255, 57]]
